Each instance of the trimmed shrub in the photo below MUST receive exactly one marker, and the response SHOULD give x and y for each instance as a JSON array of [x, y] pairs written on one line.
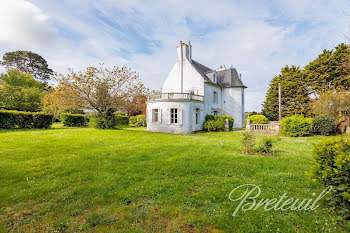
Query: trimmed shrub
[[103, 121], [211, 117], [331, 167], [257, 119], [323, 126], [122, 120], [230, 118], [73, 120], [214, 125], [141, 120], [133, 120], [296, 126], [42, 120], [17, 119], [138, 121]]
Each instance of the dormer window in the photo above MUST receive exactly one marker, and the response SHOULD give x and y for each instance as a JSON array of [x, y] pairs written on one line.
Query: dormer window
[[214, 77]]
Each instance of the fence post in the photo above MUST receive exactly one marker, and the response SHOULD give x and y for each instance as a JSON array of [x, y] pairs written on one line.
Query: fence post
[[247, 127]]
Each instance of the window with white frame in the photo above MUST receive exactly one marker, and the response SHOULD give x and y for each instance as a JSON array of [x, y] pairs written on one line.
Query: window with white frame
[[197, 116], [173, 115], [215, 97], [155, 114]]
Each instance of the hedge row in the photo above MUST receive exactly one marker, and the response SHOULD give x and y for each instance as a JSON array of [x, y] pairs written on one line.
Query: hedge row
[[138, 121], [73, 120], [331, 167], [19, 120], [215, 123]]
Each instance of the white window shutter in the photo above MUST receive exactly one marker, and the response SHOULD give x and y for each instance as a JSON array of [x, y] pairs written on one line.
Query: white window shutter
[[150, 115], [160, 115], [169, 115], [180, 116]]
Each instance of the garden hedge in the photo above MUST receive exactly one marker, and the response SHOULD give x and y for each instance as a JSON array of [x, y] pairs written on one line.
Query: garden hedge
[[331, 167], [257, 119], [121, 118], [296, 126], [323, 126], [17, 119], [215, 123], [73, 120], [138, 121]]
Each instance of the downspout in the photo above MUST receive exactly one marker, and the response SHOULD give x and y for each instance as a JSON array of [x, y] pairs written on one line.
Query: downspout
[[182, 68]]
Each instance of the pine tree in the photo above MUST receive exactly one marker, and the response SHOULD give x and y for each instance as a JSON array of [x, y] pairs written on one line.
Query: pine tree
[[330, 70], [295, 95]]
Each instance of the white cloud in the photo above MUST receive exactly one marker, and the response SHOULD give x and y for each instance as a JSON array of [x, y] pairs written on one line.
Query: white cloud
[[24, 24]]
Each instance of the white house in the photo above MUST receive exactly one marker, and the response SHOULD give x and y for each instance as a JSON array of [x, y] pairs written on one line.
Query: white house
[[190, 92]]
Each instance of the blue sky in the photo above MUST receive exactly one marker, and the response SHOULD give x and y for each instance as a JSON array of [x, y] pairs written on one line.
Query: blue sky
[[258, 38]]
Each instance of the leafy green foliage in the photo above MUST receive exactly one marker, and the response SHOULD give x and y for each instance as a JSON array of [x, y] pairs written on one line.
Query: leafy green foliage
[[73, 120], [215, 123], [28, 62], [323, 126], [330, 70], [296, 126], [257, 119], [17, 119], [121, 118], [336, 105], [295, 95], [248, 142], [103, 121], [19, 91], [138, 121], [331, 167], [265, 146], [211, 117], [229, 118]]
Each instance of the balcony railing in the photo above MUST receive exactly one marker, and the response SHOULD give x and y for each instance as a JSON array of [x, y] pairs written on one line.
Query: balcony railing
[[175, 96]]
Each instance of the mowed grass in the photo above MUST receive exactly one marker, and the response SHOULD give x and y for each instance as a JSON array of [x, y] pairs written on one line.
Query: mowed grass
[[129, 180]]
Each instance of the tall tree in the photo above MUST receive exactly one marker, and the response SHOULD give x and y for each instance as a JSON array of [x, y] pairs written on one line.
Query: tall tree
[[330, 70], [295, 99], [99, 88], [334, 104], [28, 62], [19, 91], [137, 105]]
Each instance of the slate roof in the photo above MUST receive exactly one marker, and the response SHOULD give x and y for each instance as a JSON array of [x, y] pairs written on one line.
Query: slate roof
[[225, 78]]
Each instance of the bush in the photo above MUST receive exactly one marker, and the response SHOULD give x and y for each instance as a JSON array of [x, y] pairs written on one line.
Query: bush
[[17, 119], [323, 126], [296, 126], [257, 119], [133, 120], [265, 146], [73, 120], [138, 121], [211, 117], [230, 118], [248, 142], [214, 125], [42, 120], [122, 120], [103, 121], [331, 167]]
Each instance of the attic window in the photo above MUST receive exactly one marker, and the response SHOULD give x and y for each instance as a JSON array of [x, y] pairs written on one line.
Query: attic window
[[214, 77]]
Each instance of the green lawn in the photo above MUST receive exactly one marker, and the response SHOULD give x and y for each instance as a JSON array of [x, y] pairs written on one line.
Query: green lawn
[[129, 180]]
